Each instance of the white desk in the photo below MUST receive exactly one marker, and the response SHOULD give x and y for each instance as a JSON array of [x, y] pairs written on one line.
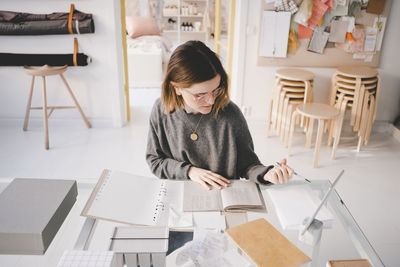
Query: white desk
[[344, 240]]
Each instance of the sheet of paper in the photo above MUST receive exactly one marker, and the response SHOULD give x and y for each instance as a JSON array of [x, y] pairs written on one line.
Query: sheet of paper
[[304, 12], [338, 31], [370, 39], [274, 34], [318, 40], [357, 45], [294, 203], [304, 32], [380, 23], [351, 22], [368, 58], [318, 10], [179, 219], [359, 56], [241, 193], [197, 198], [209, 220], [205, 249], [341, 10]]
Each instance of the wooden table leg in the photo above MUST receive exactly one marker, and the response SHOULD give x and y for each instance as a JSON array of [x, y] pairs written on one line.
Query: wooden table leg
[[318, 142], [309, 132], [292, 124], [29, 104], [339, 124], [45, 120]]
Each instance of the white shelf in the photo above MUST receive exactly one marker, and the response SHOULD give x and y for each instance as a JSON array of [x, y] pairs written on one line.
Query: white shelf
[[183, 6]]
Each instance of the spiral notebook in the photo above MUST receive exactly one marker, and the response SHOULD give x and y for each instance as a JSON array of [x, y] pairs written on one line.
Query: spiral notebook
[[127, 198]]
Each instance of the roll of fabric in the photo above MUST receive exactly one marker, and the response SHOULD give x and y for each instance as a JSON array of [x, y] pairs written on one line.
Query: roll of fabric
[[14, 23], [9, 59]]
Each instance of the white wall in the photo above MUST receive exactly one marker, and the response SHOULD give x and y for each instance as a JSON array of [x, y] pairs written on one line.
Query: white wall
[[258, 80], [98, 86]]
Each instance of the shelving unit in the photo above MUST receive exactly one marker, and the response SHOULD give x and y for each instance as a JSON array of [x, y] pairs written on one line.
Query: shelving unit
[[183, 20]]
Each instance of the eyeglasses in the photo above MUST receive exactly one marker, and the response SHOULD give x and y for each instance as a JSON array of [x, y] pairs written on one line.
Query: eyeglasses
[[202, 96]]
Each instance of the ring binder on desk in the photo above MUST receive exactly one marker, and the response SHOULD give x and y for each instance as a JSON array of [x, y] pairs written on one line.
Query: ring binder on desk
[[126, 198], [160, 205]]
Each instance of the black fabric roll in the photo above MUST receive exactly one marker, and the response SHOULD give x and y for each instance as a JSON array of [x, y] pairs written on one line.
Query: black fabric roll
[[13, 23], [8, 59]]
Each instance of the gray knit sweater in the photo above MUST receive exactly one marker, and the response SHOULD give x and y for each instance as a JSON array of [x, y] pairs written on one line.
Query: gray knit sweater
[[224, 144]]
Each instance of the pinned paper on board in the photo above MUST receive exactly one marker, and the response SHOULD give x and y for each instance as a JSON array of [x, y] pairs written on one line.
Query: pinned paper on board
[[357, 45], [370, 39], [350, 22], [318, 11], [380, 23], [341, 10], [304, 12], [318, 40], [338, 31], [274, 34], [304, 32]]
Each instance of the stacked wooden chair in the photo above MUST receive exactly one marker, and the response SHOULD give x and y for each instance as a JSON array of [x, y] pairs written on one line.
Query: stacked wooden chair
[[292, 87], [355, 88]]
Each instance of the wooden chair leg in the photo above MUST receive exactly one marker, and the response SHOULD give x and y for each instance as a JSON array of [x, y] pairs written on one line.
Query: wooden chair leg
[[283, 118], [360, 108], [279, 114], [269, 115], [45, 118], [356, 101], [363, 122], [370, 119], [318, 142], [292, 124], [309, 132], [339, 124], [75, 101], [29, 104], [288, 123]]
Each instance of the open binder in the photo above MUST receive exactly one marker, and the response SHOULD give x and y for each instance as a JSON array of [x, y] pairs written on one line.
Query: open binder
[[127, 198]]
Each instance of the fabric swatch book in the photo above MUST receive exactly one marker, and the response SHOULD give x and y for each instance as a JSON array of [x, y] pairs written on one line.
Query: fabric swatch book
[[240, 195], [265, 245], [127, 198]]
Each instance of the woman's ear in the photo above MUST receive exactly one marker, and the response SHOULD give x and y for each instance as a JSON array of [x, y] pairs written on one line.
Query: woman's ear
[[178, 90]]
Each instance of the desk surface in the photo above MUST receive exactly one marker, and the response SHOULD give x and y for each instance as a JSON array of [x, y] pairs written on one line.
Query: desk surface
[[344, 240]]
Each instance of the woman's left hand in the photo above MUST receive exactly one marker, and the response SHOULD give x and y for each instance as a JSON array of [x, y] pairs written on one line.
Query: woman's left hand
[[279, 174]]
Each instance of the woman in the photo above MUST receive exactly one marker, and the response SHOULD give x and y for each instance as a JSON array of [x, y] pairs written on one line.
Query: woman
[[196, 132]]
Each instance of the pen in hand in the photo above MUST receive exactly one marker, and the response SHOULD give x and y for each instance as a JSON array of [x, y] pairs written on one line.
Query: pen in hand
[[295, 173]]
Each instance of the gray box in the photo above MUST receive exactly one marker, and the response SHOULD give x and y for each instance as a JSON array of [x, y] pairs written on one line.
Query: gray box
[[31, 212]]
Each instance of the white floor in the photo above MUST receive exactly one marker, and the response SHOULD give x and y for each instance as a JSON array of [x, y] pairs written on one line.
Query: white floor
[[370, 186]]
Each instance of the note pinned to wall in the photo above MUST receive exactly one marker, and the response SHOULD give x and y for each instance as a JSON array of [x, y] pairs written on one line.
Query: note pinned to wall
[[274, 34]]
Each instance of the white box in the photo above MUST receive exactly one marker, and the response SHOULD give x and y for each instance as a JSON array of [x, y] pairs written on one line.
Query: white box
[[145, 67]]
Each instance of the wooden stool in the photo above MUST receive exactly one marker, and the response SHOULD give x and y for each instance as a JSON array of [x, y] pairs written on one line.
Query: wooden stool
[[313, 111], [290, 84], [43, 72]]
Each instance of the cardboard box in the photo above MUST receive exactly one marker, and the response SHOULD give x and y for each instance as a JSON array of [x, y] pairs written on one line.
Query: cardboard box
[[31, 212]]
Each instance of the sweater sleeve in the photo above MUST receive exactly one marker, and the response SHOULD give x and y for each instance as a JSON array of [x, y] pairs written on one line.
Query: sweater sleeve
[[248, 164], [158, 155]]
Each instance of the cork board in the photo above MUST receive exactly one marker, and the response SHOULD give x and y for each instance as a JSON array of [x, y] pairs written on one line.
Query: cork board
[[332, 56]]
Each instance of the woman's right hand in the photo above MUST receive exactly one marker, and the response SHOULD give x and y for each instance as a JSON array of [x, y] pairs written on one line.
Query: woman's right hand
[[207, 178]]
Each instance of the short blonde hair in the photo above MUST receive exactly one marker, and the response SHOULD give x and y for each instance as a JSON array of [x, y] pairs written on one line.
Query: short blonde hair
[[192, 62]]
